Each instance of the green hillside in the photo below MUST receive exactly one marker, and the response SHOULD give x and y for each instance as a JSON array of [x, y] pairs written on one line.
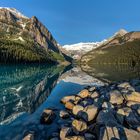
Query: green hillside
[[127, 53]]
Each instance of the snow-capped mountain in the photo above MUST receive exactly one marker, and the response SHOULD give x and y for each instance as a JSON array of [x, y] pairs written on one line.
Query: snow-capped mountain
[[77, 50], [14, 12]]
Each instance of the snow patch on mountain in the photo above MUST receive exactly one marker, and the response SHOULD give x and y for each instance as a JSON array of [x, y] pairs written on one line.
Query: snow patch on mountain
[[77, 50], [14, 12]]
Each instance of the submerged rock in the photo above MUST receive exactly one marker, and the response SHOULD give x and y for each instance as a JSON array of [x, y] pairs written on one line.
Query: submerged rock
[[47, 116]]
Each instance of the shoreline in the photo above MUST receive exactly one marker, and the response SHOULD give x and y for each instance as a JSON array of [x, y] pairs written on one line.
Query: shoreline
[[106, 112]]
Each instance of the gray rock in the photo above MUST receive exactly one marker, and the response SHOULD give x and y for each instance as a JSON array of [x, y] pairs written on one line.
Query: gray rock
[[106, 118], [47, 116]]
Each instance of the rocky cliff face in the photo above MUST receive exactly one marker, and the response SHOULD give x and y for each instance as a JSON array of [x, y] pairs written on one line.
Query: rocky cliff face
[[16, 27]]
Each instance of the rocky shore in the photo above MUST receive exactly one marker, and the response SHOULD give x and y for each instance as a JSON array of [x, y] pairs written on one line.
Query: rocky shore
[[110, 112]]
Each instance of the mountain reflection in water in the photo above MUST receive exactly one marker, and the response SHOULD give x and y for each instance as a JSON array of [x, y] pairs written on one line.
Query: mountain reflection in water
[[24, 88], [112, 72]]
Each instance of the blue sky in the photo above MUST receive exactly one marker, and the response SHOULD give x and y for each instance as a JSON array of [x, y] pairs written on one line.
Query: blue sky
[[73, 21]]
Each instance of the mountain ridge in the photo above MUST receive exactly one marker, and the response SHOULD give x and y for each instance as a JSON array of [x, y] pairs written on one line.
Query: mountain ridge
[[20, 30]]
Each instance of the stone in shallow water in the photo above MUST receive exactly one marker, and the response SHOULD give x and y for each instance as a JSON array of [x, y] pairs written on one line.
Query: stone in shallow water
[[79, 126], [69, 105], [66, 99], [133, 96], [47, 116], [84, 93], [116, 97]]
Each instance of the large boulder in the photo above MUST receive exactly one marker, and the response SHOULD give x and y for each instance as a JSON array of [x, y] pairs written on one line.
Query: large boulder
[[91, 112], [79, 126], [47, 116], [133, 96], [116, 97]]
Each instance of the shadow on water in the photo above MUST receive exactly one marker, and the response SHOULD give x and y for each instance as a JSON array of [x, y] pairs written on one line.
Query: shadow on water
[[24, 88], [112, 72]]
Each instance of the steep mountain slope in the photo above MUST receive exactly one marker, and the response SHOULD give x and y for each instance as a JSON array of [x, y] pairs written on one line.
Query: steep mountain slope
[[25, 39], [79, 49], [121, 49]]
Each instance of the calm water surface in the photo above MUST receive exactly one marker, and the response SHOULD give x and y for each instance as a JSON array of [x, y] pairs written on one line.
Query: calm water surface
[[25, 91]]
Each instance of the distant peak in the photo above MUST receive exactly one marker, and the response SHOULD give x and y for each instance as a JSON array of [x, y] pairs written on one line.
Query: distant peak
[[121, 32], [14, 11]]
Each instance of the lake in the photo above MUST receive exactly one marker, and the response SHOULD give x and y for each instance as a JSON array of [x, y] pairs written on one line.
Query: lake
[[26, 90]]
